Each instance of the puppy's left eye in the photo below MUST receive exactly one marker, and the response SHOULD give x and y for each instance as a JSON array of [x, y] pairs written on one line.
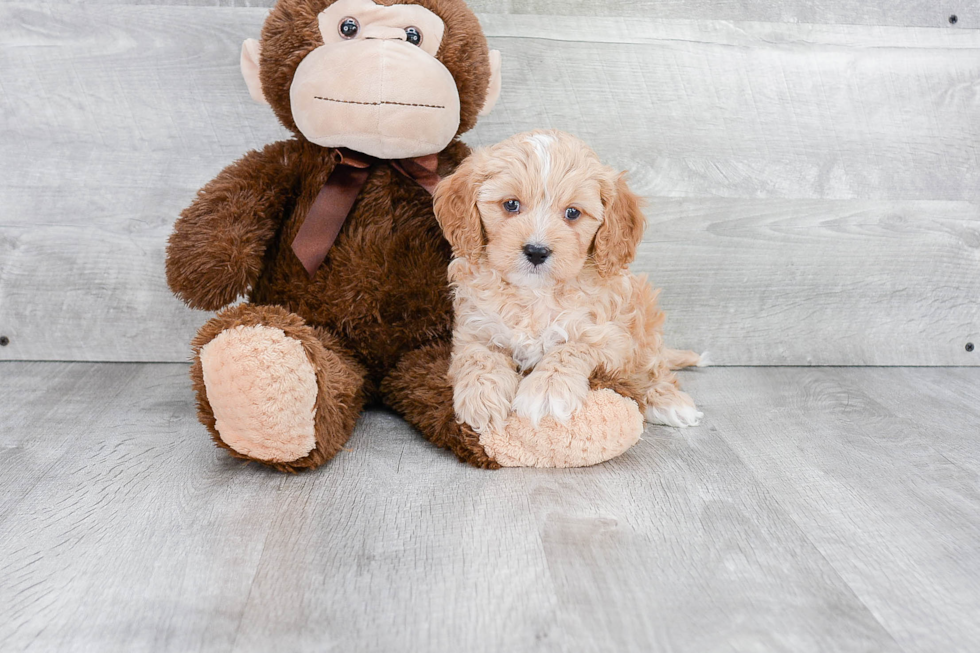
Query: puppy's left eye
[[413, 35], [572, 214]]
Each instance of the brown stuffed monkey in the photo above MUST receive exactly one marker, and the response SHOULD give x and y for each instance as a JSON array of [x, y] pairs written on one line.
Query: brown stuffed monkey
[[331, 237]]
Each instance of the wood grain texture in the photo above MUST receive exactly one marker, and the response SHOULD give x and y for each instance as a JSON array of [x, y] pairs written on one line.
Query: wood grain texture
[[921, 402], [805, 514], [528, 560], [137, 535], [906, 13], [818, 185], [707, 109], [873, 489], [59, 393], [818, 282], [134, 535]]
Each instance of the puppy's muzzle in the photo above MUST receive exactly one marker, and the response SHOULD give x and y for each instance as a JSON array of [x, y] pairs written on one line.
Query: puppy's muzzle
[[536, 254]]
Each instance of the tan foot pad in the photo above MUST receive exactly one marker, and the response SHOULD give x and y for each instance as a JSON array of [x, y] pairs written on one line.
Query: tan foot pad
[[262, 388], [604, 427]]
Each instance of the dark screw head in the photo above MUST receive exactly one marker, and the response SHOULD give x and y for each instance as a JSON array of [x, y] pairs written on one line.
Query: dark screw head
[[4, 341], [953, 19], [969, 347]]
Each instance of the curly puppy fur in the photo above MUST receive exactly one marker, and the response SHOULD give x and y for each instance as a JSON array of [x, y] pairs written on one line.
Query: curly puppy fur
[[379, 309], [543, 234]]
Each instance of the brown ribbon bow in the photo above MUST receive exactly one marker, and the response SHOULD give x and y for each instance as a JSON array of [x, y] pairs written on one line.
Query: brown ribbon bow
[[335, 200]]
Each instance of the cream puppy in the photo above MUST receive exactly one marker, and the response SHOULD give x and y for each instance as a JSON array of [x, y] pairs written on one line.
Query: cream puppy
[[542, 235]]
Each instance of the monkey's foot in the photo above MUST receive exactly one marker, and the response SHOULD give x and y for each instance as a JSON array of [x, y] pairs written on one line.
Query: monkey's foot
[[604, 427], [262, 389]]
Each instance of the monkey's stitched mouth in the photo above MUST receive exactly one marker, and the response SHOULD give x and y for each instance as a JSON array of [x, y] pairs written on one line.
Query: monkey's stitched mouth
[[378, 104]]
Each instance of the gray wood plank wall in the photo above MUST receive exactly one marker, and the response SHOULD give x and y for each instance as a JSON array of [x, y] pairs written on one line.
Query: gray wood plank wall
[[812, 168], [907, 13]]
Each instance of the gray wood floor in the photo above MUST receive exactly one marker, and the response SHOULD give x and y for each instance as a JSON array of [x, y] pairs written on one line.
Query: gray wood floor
[[816, 509]]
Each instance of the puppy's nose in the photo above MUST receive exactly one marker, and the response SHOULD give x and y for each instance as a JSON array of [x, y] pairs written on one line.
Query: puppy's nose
[[536, 254]]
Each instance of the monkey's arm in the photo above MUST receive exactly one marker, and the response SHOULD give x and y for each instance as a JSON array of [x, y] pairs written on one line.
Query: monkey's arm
[[216, 251]]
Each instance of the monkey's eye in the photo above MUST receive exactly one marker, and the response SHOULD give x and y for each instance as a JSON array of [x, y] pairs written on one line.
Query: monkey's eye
[[572, 214], [512, 206], [349, 27], [413, 35]]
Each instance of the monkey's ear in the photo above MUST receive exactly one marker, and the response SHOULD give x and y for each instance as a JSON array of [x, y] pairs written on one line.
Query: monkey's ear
[[493, 90], [251, 51], [622, 226], [457, 213]]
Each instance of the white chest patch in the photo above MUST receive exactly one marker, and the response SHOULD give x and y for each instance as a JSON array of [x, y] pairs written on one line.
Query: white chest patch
[[527, 349], [528, 333], [525, 323]]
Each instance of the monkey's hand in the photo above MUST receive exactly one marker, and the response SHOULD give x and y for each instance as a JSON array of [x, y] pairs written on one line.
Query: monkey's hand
[[216, 251]]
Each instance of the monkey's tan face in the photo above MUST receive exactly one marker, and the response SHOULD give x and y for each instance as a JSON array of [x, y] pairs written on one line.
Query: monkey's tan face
[[541, 206], [375, 85]]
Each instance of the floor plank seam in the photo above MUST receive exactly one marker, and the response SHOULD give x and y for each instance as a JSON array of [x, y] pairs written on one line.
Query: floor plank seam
[[251, 585], [106, 406], [786, 514]]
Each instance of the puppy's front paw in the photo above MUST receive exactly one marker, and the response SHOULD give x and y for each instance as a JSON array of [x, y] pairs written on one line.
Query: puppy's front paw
[[552, 394], [484, 401], [669, 406], [676, 416]]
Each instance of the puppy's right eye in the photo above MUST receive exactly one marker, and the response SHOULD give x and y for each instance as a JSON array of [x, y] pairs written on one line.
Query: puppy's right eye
[[349, 27], [512, 206]]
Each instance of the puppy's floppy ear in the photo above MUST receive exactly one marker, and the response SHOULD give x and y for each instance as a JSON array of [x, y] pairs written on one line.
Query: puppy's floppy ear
[[621, 231], [457, 212]]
